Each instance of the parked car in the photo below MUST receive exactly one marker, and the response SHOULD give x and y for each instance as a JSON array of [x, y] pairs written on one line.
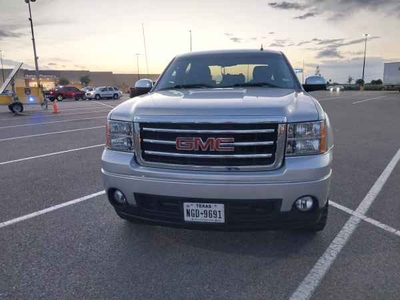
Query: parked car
[[250, 150], [140, 87], [87, 89], [335, 88], [65, 92], [104, 92]]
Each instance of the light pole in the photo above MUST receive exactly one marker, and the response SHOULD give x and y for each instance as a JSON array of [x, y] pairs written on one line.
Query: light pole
[[190, 32], [2, 66], [365, 55], [137, 63], [33, 42]]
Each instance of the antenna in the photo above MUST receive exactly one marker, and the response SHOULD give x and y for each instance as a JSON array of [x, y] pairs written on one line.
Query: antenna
[[262, 47]]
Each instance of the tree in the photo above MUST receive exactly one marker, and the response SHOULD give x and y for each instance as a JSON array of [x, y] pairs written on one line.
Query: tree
[[360, 82], [63, 81], [377, 82], [85, 80], [350, 80]]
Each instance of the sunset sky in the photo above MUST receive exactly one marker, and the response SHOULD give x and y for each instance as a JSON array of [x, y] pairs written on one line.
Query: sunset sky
[[101, 35]]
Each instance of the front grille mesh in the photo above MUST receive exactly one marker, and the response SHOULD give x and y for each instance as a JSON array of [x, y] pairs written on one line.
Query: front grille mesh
[[252, 144]]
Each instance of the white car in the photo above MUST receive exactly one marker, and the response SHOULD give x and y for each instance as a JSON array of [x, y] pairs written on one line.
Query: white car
[[104, 92]]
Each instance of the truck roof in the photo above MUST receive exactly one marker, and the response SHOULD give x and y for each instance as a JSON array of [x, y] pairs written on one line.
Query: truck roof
[[236, 51]]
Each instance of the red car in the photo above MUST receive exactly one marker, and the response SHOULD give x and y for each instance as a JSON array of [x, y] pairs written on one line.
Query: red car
[[66, 92]]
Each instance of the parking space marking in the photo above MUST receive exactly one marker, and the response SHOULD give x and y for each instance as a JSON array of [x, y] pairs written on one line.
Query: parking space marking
[[319, 270], [103, 104], [365, 218], [49, 154], [333, 98], [49, 133], [52, 122], [50, 209], [369, 99], [58, 115]]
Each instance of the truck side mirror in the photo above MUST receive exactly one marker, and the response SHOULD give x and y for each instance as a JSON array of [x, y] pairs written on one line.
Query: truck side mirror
[[315, 83], [143, 86]]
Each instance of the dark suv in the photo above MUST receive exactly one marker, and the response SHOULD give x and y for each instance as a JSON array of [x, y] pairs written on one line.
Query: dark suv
[[66, 92]]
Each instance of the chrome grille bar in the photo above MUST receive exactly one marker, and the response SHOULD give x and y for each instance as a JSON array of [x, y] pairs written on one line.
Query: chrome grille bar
[[164, 142], [208, 130], [266, 155]]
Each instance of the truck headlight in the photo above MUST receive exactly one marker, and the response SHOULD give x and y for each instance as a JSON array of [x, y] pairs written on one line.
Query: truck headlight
[[120, 136], [306, 138]]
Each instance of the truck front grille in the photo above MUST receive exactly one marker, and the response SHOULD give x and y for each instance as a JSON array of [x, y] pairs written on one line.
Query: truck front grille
[[234, 146]]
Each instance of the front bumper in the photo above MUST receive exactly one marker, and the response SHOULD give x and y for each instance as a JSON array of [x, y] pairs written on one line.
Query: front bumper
[[299, 176]]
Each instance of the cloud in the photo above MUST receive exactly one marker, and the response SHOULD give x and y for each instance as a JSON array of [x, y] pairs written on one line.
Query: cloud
[[229, 34], [13, 63], [9, 34], [52, 64], [271, 32], [307, 15], [329, 53], [254, 39], [303, 43], [339, 9], [277, 45], [80, 66], [287, 5], [236, 40], [334, 43]]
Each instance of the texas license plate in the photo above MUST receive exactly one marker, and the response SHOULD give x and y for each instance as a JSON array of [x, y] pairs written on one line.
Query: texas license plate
[[204, 212]]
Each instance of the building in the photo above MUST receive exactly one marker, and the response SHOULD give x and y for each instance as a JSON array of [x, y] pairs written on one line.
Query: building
[[49, 78]]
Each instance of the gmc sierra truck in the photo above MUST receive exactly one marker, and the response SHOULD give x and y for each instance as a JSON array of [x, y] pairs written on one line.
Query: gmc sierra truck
[[223, 140]]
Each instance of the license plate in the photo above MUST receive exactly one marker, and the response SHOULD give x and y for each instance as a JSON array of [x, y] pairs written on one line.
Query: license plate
[[204, 212]]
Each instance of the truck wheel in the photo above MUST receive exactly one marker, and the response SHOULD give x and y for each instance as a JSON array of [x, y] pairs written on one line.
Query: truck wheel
[[16, 107], [97, 97], [60, 98], [115, 96]]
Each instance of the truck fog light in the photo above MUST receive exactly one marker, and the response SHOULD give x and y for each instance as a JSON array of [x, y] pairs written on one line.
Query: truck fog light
[[119, 197], [304, 203]]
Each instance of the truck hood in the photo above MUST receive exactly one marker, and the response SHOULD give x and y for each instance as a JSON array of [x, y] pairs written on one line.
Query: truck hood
[[293, 105]]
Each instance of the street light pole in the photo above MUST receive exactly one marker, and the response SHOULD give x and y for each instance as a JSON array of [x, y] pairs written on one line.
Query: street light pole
[[365, 55], [190, 32], [2, 66], [137, 63], [34, 42]]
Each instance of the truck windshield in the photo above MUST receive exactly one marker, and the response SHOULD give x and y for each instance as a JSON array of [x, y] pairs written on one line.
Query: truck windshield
[[226, 70]]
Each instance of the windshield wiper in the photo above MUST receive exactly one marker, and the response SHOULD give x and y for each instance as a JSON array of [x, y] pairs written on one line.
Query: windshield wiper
[[256, 84], [188, 86]]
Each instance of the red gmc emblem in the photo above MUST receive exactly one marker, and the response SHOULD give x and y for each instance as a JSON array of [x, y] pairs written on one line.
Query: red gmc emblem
[[196, 143]]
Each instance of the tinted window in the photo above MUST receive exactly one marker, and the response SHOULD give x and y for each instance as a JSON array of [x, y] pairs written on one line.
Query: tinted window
[[110, 89], [222, 70]]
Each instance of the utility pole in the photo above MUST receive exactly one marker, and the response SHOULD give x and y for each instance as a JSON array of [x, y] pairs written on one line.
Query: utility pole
[[34, 42], [302, 74], [137, 63], [2, 66], [191, 48], [365, 55], [145, 50]]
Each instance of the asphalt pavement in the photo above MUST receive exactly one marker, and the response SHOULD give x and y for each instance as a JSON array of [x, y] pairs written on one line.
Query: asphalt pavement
[[60, 238]]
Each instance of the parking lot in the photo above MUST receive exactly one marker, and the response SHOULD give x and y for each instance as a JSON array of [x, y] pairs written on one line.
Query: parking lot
[[61, 239]]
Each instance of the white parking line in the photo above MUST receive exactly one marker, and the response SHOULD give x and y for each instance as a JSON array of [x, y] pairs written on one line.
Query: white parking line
[[333, 98], [52, 122], [317, 273], [50, 209], [103, 104], [49, 154], [56, 115], [369, 99], [366, 219], [49, 133]]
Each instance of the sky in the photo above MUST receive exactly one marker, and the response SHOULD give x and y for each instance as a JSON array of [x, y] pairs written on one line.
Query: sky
[[104, 35]]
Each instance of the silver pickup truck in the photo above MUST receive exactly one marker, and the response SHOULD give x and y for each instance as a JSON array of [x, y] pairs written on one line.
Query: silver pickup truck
[[223, 140]]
